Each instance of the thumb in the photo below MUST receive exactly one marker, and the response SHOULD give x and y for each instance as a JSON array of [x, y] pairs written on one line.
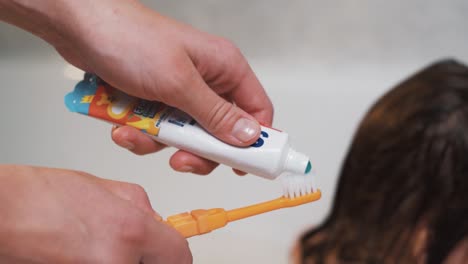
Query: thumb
[[219, 117]]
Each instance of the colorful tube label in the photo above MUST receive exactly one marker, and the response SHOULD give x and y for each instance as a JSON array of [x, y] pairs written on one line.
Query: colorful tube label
[[96, 98]]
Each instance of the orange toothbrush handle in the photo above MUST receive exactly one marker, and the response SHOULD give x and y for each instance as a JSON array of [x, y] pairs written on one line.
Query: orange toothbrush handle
[[198, 222], [202, 221]]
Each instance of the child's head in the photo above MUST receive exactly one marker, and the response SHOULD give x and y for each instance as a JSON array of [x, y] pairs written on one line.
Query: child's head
[[403, 190]]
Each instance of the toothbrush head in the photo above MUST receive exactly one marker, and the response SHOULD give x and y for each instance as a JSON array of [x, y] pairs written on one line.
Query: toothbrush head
[[297, 185]]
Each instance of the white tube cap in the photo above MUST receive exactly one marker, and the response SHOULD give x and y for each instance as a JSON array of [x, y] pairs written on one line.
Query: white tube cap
[[297, 162]]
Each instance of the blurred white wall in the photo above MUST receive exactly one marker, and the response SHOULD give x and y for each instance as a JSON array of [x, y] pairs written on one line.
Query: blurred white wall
[[322, 62]]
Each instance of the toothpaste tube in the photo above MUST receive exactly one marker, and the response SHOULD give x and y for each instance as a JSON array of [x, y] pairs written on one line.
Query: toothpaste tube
[[269, 157]]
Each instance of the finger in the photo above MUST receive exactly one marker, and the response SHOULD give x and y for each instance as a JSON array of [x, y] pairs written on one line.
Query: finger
[[133, 193], [264, 117], [160, 243], [164, 245], [221, 118], [249, 95], [227, 72], [135, 141], [183, 161], [239, 172]]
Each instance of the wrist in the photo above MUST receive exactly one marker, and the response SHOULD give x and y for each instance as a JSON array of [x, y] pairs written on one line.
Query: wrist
[[47, 19], [57, 21]]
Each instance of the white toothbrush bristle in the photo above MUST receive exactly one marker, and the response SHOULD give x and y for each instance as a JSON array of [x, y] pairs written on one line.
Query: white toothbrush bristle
[[290, 188], [304, 190], [296, 185]]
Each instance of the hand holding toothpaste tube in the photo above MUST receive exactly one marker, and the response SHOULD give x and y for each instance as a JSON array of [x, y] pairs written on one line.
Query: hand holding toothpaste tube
[[151, 56]]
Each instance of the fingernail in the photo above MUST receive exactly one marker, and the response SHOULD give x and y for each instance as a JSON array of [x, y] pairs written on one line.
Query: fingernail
[[127, 145], [186, 169], [245, 129]]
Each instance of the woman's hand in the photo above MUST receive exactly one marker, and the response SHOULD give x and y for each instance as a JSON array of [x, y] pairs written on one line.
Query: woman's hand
[[148, 55], [151, 56]]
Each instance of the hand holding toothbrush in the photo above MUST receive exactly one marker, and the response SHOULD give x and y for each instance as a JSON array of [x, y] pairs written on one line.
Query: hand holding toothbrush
[[62, 216], [154, 57]]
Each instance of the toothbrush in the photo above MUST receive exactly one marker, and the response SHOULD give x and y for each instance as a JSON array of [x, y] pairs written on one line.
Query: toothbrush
[[202, 221]]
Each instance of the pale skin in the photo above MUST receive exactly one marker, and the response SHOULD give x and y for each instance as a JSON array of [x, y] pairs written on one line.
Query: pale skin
[[63, 216], [147, 55]]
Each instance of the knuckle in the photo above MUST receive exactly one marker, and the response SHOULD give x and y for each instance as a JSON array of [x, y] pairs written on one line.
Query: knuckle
[[137, 189], [177, 85], [131, 228], [232, 61], [161, 87], [220, 115], [137, 192], [174, 85], [229, 49], [150, 86]]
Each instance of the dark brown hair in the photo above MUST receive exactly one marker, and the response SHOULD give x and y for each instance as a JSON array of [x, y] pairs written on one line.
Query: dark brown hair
[[406, 174]]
